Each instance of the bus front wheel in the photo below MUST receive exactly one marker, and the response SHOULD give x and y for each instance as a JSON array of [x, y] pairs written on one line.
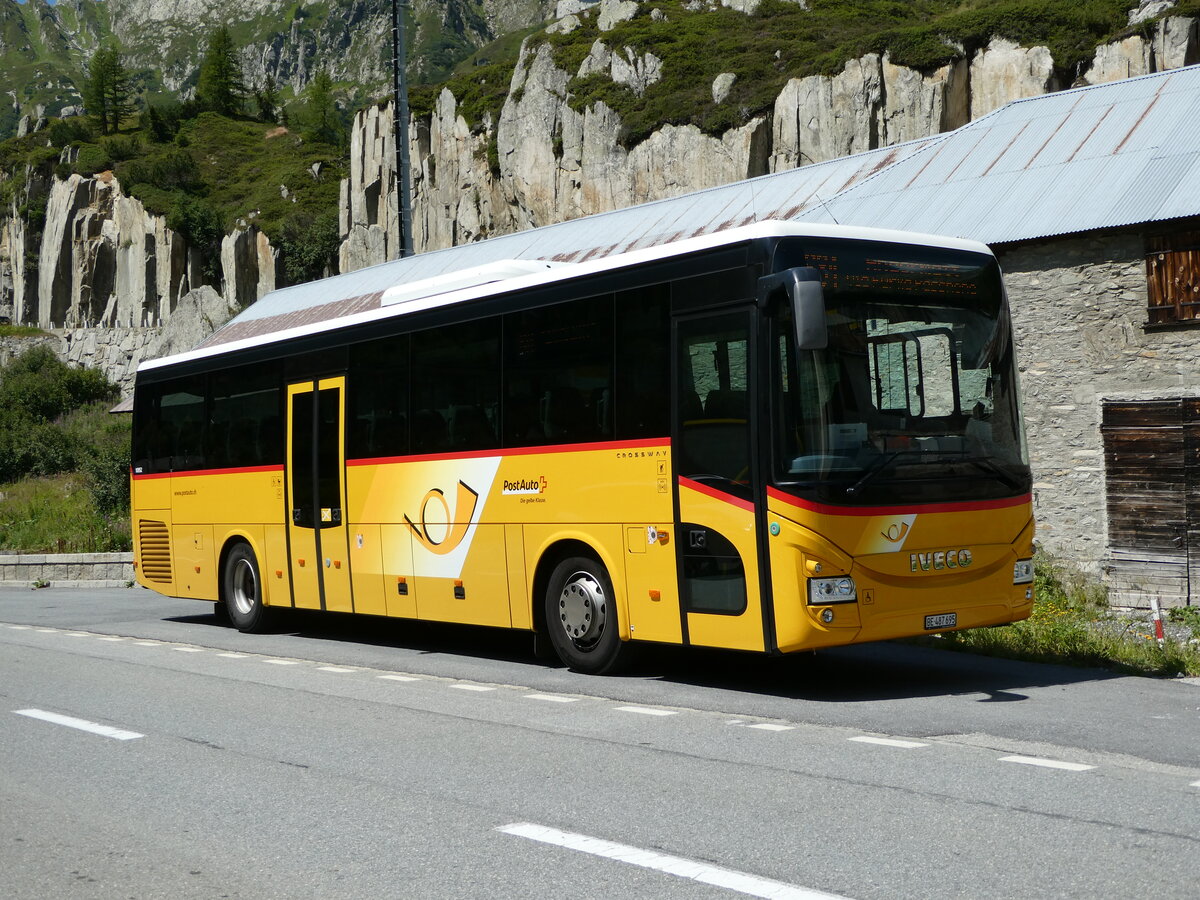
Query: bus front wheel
[[581, 616], [242, 590]]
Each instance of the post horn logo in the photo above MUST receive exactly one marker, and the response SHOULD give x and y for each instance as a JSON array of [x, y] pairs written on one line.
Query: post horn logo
[[456, 524], [895, 532]]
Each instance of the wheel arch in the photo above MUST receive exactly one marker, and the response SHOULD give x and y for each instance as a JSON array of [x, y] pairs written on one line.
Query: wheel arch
[[255, 543], [563, 548]]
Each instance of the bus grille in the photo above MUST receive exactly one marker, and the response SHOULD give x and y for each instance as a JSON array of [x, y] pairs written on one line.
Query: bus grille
[[154, 544]]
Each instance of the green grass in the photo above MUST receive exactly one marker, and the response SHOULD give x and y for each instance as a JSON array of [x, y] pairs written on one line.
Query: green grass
[[21, 331], [57, 515], [1072, 624]]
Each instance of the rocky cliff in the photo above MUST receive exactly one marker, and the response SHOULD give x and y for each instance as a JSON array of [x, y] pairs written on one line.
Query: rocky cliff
[[549, 162], [103, 260]]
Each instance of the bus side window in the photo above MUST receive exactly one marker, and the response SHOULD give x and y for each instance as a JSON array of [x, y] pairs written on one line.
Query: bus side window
[[377, 399], [559, 373], [643, 351], [455, 381]]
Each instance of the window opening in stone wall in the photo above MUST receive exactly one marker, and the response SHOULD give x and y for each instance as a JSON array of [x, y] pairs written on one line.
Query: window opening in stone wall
[[1173, 277]]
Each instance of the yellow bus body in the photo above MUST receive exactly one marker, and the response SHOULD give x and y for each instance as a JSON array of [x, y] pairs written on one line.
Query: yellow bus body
[[456, 538]]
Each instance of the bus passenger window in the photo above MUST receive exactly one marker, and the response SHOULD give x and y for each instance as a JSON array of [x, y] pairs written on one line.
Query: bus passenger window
[[456, 387], [558, 373]]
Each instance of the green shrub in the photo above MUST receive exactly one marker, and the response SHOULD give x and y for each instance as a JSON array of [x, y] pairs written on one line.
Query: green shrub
[[92, 158]]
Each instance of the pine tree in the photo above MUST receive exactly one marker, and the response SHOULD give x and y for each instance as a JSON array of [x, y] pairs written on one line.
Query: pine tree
[[322, 116], [107, 92], [268, 100], [220, 87]]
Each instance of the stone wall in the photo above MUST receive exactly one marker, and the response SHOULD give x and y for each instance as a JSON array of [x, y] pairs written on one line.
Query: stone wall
[[66, 570], [1079, 311]]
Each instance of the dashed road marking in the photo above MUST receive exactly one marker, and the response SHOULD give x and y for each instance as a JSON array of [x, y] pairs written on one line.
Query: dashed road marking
[[333, 669], [188, 649], [397, 677], [107, 731], [282, 662], [682, 867], [1046, 763], [771, 726], [646, 711], [889, 742], [481, 688], [233, 655], [552, 698]]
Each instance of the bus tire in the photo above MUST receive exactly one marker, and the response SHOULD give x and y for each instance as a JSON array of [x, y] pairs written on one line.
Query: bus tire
[[242, 589], [581, 616]]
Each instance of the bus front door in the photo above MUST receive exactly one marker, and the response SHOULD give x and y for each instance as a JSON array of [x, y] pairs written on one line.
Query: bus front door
[[317, 532], [717, 547]]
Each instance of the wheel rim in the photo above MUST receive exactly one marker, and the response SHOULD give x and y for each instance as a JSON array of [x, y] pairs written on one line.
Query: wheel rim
[[243, 592], [582, 609]]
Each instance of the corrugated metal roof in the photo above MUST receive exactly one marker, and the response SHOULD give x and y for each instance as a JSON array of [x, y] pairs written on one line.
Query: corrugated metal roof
[[1094, 157], [1114, 154]]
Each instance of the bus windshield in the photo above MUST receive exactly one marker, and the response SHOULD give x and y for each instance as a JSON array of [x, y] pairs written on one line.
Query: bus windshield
[[915, 398]]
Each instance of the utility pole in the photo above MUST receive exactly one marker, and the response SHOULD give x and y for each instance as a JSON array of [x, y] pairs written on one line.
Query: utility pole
[[400, 106]]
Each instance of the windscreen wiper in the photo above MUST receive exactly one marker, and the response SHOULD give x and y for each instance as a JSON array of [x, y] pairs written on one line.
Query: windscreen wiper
[[985, 462]]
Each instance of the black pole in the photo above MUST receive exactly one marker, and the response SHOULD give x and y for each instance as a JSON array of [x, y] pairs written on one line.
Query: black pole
[[400, 107]]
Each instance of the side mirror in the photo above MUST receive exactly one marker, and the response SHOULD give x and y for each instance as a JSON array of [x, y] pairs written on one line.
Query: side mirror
[[802, 285]]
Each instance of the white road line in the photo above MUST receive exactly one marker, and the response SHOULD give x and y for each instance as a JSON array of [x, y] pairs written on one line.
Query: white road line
[[47, 630], [19, 627], [78, 634], [81, 724], [189, 649], [646, 711], [771, 726], [282, 662], [333, 669], [232, 655], [552, 698], [146, 643], [1046, 763], [889, 742], [680, 866], [1194, 784], [472, 687], [112, 639], [397, 678]]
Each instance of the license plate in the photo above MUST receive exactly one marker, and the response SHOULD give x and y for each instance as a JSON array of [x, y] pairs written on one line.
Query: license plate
[[945, 620]]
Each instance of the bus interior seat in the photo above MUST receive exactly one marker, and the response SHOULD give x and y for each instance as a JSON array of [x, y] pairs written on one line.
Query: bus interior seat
[[470, 429], [564, 414], [690, 407], [429, 433], [726, 404]]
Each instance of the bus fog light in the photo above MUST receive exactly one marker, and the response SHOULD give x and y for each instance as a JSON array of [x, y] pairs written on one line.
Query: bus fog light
[[822, 591], [1023, 571], [827, 615]]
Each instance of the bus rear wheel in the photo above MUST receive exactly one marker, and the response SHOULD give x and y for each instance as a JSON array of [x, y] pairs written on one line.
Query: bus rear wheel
[[242, 590], [581, 616]]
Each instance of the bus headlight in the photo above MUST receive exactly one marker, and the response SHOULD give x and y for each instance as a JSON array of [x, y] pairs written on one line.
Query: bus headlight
[[1023, 571], [822, 591]]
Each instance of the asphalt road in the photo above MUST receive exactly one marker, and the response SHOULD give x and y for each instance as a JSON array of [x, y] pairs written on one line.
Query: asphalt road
[[147, 750]]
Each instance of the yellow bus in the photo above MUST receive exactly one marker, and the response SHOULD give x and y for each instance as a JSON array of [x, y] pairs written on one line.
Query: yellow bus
[[771, 438]]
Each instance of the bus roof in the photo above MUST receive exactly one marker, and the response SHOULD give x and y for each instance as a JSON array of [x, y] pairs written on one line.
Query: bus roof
[[512, 262]]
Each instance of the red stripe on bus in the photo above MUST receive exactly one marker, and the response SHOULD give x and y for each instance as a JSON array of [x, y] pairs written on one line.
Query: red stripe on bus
[[715, 494], [957, 506], [241, 470], [512, 451]]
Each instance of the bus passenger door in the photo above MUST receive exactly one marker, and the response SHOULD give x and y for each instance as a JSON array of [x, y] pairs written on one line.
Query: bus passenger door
[[317, 533], [716, 546]]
